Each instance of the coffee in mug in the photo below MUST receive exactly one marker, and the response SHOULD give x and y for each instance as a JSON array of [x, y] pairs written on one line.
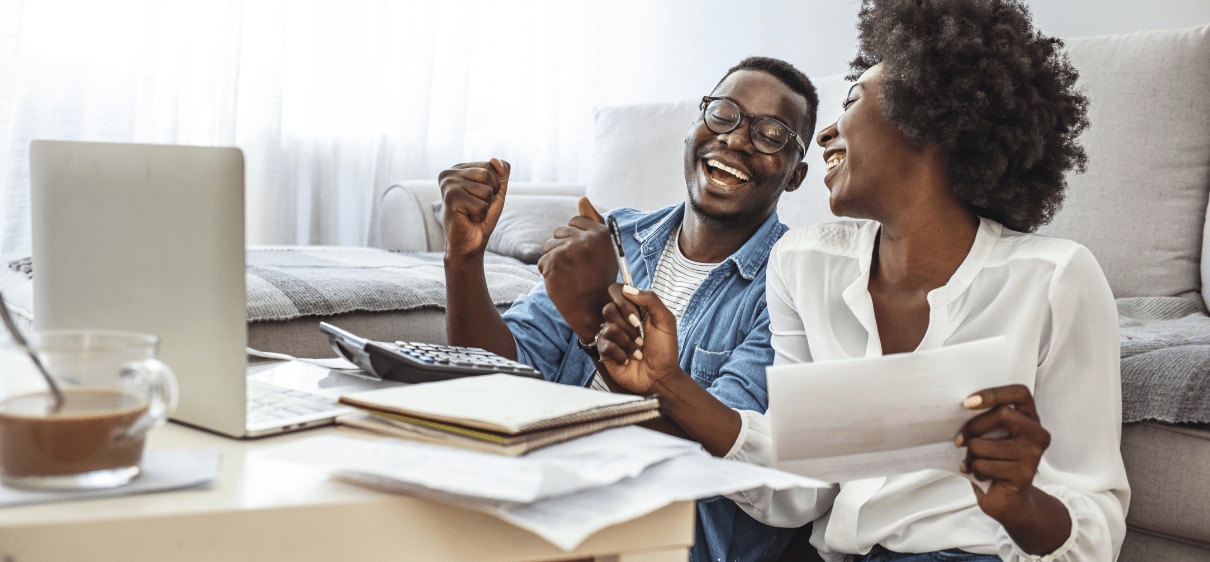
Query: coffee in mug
[[114, 391]]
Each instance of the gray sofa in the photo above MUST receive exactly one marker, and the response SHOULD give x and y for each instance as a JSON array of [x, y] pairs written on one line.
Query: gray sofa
[[1141, 208]]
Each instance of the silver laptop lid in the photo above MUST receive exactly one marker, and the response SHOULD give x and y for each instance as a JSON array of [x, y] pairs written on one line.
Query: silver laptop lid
[[149, 238]]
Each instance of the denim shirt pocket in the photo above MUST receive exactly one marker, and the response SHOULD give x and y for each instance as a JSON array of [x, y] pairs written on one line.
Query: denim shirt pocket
[[705, 364]]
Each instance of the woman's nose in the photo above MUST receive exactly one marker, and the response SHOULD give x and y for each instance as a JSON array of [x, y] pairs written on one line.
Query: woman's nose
[[826, 135]]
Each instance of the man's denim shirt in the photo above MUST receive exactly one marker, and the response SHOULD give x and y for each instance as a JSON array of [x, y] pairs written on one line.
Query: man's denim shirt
[[724, 344]]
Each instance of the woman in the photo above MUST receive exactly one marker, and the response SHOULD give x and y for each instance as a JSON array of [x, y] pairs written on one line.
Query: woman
[[953, 144]]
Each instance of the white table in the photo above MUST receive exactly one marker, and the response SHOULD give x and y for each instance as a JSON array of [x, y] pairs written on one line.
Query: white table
[[268, 510]]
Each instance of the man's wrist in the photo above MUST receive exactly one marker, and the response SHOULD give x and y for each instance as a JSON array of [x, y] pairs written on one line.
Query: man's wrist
[[590, 346], [462, 261]]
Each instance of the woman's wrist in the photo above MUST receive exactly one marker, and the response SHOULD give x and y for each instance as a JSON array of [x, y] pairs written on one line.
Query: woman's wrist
[[1041, 525]]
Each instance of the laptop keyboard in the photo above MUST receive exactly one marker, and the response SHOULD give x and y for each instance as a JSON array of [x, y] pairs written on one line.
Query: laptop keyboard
[[268, 403]]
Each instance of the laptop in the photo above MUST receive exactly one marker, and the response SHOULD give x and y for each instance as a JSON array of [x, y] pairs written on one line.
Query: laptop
[[150, 238]]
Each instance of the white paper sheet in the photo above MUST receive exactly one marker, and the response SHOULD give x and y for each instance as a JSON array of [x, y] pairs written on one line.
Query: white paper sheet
[[563, 493], [567, 520], [849, 419], [594, 460]]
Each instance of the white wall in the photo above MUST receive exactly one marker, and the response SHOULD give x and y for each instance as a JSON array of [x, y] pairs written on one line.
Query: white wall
[[645, 59]]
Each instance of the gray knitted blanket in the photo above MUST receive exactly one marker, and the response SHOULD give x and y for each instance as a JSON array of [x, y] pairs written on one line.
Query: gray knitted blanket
[[1165, 360], [287, 282]]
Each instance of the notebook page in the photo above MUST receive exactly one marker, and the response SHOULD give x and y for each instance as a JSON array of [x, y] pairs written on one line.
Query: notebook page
[[497, 402]]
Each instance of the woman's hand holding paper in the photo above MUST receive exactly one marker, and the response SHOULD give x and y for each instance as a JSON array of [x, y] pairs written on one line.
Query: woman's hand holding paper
[[1005, 445]]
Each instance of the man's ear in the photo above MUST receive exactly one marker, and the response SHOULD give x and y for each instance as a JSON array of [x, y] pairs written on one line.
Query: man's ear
[[799, 174]]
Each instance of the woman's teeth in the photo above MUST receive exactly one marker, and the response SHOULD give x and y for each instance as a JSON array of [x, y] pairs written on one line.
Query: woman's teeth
[[834, 161], [719, 165]]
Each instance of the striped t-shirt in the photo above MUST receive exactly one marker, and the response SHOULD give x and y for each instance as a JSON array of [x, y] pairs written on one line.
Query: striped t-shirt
[[676, 279]]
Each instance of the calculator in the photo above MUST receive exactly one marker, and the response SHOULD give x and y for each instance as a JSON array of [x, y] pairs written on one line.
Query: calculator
[[414, 362]]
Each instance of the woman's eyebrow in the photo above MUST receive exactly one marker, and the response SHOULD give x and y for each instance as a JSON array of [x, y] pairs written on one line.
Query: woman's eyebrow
[[854, 87]]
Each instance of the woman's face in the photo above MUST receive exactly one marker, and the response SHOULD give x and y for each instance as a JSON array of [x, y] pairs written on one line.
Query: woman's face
[[869, 163]]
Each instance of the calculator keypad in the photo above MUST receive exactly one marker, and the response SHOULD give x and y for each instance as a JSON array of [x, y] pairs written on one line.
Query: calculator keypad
[[465, 357]]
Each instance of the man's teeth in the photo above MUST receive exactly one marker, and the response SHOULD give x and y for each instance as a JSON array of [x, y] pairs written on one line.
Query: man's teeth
[[716, 164], [835, 161]]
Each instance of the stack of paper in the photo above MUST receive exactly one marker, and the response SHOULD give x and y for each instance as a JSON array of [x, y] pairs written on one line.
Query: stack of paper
[[501, 414], [563, 493]]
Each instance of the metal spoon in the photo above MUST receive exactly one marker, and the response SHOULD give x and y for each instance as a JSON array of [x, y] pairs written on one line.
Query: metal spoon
[[12, 329]]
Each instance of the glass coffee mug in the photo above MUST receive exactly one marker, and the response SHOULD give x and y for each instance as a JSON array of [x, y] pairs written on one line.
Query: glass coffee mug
[[115, 391]]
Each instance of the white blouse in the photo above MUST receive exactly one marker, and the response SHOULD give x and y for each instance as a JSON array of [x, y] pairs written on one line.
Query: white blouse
[[1048, 297]]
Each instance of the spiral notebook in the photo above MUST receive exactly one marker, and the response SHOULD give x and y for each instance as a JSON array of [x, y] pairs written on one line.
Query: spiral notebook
[[503, 414]]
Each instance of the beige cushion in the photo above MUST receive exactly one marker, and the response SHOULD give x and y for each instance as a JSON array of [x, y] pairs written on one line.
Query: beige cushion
[[526, 223], [1141, 207], [639, 155]]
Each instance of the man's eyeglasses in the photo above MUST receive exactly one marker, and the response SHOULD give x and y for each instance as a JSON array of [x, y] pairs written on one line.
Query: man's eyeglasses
[[768, 134]]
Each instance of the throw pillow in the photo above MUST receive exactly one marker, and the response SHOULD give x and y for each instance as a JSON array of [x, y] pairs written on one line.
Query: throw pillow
[[526, 223], [639, 155]]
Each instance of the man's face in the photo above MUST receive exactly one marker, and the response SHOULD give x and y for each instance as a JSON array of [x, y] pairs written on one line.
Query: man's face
[[727, 177]]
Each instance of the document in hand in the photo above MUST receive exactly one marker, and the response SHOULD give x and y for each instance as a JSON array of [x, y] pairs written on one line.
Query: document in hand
[[501, 414], [857, 418]]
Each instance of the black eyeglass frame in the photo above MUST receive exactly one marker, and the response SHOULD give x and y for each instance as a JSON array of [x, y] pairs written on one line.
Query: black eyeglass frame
[[752, 119]]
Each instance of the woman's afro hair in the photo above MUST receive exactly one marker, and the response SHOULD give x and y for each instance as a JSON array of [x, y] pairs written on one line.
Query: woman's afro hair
[[998, 97]]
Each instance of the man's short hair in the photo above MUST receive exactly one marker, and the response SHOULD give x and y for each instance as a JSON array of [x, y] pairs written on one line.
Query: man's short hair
[[792, 77]]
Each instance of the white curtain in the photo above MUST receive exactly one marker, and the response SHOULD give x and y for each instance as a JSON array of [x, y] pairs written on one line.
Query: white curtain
[[327, 98]]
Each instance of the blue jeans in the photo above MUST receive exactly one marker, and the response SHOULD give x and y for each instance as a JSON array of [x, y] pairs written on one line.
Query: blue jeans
[[880, 554]]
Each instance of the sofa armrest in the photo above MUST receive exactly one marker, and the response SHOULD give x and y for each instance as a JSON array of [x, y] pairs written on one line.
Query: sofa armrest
[[403, 216]]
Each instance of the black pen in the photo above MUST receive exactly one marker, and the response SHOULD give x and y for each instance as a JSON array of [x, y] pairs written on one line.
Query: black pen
[[616, 236]]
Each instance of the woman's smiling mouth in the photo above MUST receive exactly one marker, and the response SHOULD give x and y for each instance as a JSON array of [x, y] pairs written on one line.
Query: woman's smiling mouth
[[834, 161]]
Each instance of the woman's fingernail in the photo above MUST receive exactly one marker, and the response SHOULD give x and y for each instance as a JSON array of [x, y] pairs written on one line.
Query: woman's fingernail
[[629, 290], [639, 341], [972, 401], [959, 440], [638, 354], [634, 321], [962, 468]]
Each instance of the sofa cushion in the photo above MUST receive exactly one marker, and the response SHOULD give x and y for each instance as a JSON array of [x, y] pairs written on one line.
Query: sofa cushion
[[639, 155], [1146, 545], [525, 224], [1163, 463], [1141, 206]]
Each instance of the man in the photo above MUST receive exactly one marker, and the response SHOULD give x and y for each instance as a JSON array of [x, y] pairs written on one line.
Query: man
[[705, 259]]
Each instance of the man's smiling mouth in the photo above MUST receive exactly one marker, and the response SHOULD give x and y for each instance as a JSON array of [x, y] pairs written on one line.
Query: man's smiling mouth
[[725, 175]]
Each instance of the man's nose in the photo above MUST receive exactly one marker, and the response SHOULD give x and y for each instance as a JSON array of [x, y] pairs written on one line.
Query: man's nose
[[826, 135], [739, 138]]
